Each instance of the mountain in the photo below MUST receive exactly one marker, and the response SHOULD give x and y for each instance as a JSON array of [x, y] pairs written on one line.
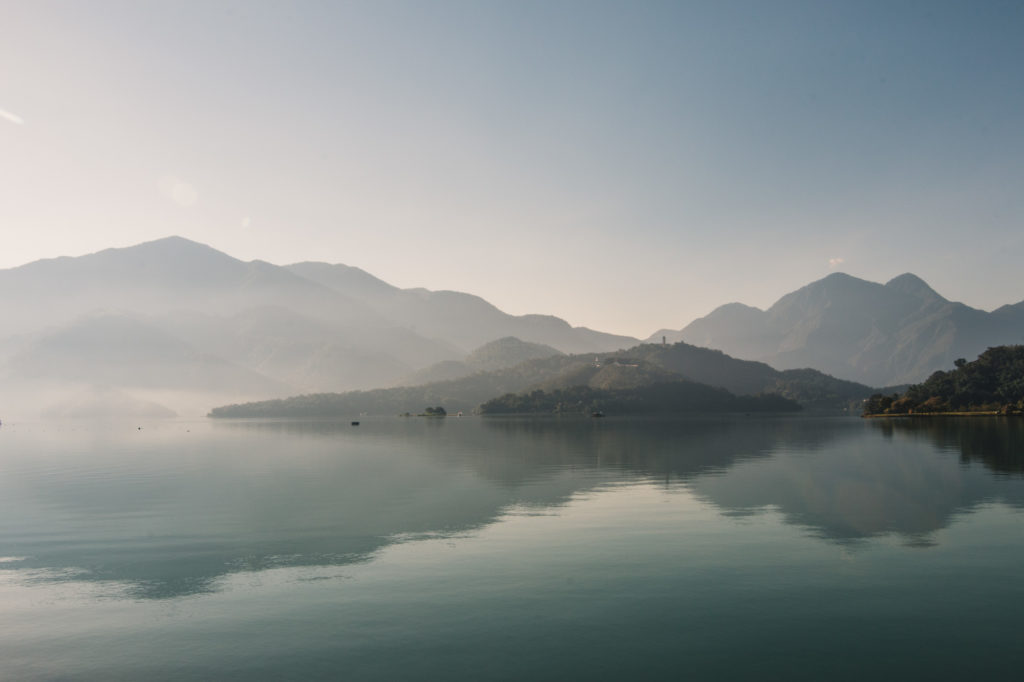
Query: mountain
[[638, 367], [612, 375], [176, 316], [121, 350], [310, 353], [507, 352], [498, 354], [899, 332], [154, 277], [105, 404], [464, 320]]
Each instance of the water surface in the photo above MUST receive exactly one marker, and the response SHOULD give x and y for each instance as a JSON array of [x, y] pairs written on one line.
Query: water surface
[[746, 548]]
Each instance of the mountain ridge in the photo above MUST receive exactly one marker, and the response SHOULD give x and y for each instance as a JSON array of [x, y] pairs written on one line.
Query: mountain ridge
[[858, 330], [320, 327], [305, 327]]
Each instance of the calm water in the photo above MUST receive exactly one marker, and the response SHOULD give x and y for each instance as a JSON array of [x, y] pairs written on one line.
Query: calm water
[[472, 549]]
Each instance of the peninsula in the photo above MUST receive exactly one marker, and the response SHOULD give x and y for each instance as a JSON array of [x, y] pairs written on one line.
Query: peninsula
[[992, 384]]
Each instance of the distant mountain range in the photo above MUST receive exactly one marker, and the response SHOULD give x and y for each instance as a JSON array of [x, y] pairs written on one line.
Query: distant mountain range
[[173, 323], [895, 333]]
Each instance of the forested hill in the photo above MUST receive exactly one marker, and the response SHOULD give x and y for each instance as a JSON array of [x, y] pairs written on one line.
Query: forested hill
[[644, 365], [463, 394], [809, 387], [992, 383], [660, 398]]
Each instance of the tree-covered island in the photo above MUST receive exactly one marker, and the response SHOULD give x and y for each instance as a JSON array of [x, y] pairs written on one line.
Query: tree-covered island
[[992, 384], [660, 398]]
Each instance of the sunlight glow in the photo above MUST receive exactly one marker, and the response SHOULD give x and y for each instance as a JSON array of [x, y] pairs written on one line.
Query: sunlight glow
[[13, 118], [181, 192]]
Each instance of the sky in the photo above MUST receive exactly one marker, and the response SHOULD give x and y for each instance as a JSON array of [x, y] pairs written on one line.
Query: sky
[[627, 166]]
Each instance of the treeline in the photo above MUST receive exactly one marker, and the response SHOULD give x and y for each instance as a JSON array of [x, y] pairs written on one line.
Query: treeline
[[992, 383], [662, 398]]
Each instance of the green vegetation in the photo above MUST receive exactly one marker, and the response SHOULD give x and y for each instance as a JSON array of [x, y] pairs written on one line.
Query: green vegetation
[[610, 373], [642, 366], [434, 412], [463, 394], [661, 398], [994, 383], [818, 391], [809, 387]]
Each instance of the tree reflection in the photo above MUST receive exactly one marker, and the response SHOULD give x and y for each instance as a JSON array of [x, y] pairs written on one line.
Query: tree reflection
[[173, 515]]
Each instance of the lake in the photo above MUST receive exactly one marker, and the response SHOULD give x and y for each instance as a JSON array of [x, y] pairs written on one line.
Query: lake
[[793, 548]]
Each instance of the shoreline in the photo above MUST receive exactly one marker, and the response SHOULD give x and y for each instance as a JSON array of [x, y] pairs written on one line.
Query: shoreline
[[986, 413]]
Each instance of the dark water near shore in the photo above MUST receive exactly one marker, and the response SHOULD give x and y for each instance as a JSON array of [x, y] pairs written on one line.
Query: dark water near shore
[[476, 549]]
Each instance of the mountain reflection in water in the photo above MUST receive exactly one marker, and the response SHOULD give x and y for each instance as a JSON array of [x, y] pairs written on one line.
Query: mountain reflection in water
[[173, 509]]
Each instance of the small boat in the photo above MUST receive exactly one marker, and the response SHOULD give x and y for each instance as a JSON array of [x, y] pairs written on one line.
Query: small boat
[[599, 413], [355, 423]]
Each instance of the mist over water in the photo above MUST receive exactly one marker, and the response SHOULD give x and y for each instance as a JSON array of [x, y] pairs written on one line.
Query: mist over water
[[508, 548], [173, 328]]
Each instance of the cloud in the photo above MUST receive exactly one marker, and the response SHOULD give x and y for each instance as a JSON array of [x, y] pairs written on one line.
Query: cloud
[[834, 263], [13, 118]]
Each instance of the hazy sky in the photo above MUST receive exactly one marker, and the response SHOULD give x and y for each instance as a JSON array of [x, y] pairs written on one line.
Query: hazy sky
[[624, 165]]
